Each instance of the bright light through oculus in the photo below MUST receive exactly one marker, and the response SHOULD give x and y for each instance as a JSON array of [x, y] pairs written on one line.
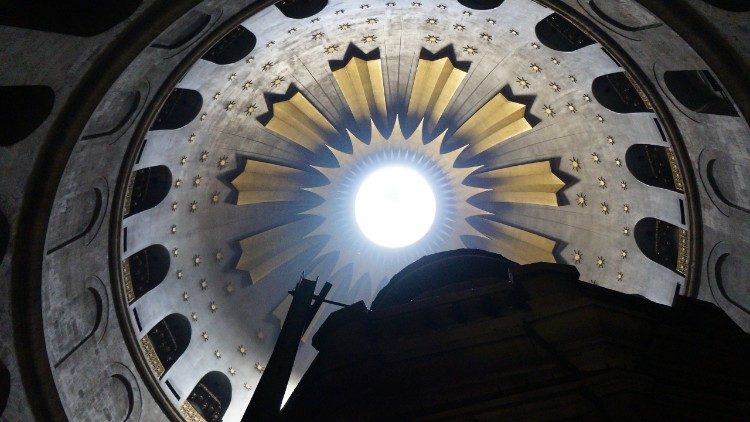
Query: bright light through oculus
[[394, 207]]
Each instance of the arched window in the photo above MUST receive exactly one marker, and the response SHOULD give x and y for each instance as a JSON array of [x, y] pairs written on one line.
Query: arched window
[[144, 270], [169, 339], [559, 34], [233, 47], [698, 91], [148, 188], [616, 92], [211, 396], [663, 243], [481, 4], [301, 9], [82, 18], [180, 109], [652, 165], [22, 110]]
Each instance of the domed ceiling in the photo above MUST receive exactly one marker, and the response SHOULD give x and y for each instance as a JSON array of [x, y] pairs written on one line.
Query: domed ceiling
[[516, 134]]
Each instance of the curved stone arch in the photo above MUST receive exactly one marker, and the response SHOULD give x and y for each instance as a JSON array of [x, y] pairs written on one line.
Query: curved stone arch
[[653, 165], [618, 93], [301, 9], [640, 20], [210, 397], [23, 108], [186, 29], [481, 4], [145, 270], [82, 18], [95, 291], [232, 47], [663, 243], [123, 374], [93, 217], [181, 107], [117, 112], [560, 34], [147, 188], [699, 92]]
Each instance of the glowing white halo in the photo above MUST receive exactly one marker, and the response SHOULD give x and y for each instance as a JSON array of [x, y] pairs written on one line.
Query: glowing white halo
[[394, 207]]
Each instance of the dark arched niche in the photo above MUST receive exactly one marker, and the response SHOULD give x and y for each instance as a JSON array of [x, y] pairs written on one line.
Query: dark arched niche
[[481, 4], [730, 5], [150, 186], [4, 387], [659, 241], [233, 47], [301, 9], [22, 109], [617, 93], [211, 396], [84, 18], [170, 338], [650, 164], [181, 107], [699, 91], [559, 34], [4, 236], [147, 268]]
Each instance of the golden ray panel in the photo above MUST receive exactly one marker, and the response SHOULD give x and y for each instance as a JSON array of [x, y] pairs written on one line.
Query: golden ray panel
[[297, 120], [532, 183], [495, 122], [435, 83], [361, 82], [434, 86]]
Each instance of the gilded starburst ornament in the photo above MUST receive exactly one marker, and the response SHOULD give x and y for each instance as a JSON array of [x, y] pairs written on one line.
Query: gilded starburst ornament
[[193, 206], [536, 68], [196, 260], [600, 118], [555, 87], [586, 98], [330, 49], [215, 198], [251, 109], [174, 206], [602, 182], [434, 39], [197, 180], [223, 161], [178, 183], [600, 262], [581, 199], [623, 254], [572, 78], [431, 21], [204, 156], [247, 386], [191, 139], [549, 111], [173, 230], [471, 50], [623, 184], [523, 82], [442, 6], [595, 157], [369, 39], [266, 67], [260, 368], [317, 36], [277, 81], [247, 85], [554, 60], [217, 353], [459, 27], [605, 208], [339, 12], [204, 284], [242, 349], [178, 274], [610, 140], [213, 307], [216, 96], [204, 335], [577, 256], [626, 231], [618, 162], [194, 316], [183, 160], [371, 21], [491, 21], [291, 30], [626, 208], [485, 36], [571, 108], [620, 276], [575, 164], [467, 13], [535, 46], [270, 43]]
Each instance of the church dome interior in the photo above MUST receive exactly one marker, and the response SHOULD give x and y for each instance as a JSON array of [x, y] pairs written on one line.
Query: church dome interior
[[171, 170]]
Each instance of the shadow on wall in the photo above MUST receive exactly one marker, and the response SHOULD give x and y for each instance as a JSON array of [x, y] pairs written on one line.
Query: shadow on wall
[[4, 236], [650, 165], [82, 18], [22, 110], [301, 9], [150, 186], [211, 396], [233, 47], [617, 93], [4, 387], [660, 242], [730, 5]]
